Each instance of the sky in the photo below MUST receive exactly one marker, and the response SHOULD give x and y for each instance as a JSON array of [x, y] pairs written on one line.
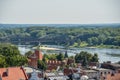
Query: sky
[[59, 11]]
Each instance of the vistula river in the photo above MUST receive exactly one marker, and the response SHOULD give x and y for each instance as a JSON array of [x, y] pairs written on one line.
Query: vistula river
[[103, 53]]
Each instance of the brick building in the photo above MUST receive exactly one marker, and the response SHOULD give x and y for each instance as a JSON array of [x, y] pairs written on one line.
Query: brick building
[[54, 64], [33, 59], [109, 65], [113, 76]]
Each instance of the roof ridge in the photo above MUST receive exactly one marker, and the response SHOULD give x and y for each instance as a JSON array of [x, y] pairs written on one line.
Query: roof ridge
[[24, 72]]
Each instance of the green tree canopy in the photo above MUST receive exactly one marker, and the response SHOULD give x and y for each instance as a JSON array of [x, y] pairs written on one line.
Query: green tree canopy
[[95, 58], [28, 53], [42, 65], [11, 56], [2, 61], [67, 36], [66, 55], [60, 56], [85, 57]]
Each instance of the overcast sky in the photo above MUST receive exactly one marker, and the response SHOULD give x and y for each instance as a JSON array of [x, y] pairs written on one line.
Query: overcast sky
[[59, 11]]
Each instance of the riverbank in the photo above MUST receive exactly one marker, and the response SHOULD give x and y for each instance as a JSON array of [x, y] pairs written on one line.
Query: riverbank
[[104, 54], [47, 48], [107, 46], [97, 46]]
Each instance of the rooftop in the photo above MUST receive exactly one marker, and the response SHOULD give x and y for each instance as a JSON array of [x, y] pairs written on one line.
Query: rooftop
[[88, 71], [9, 73], [30, 70]]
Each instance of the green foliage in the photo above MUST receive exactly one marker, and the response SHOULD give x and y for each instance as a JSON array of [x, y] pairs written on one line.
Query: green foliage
[[95, 58], [49, 57], [85, 58], [2, 61], [45, 58], [66, 55], [83, 44], [67, 36], [8, 50], [17, 60], [57, 56], [71, 57], [60, 57], [10, 56], [42, 65], [28, 53]]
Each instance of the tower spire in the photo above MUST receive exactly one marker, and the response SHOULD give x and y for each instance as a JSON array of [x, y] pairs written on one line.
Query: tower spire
[[38, 47], [39, 44]]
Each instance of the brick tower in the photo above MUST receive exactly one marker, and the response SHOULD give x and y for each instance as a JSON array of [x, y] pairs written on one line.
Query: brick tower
[[33, 59]]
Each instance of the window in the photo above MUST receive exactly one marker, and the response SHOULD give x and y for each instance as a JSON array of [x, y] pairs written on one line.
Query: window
[[112, 74]]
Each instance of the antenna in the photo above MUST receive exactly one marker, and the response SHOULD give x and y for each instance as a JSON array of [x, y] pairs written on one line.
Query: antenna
[[38, 47]]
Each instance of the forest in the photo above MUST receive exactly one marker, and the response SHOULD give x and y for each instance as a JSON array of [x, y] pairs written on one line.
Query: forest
[[106, 37]]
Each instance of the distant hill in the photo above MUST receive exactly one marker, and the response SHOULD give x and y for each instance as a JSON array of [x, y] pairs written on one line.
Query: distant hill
[[60, 25], [73, 35]]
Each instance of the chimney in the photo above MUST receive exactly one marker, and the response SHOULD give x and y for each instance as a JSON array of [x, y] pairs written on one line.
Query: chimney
[[7, 71]]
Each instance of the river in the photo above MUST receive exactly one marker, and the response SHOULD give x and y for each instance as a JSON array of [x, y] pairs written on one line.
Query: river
[[103, 53]]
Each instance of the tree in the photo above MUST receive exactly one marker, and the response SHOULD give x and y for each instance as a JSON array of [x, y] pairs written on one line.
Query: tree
[[85, 62], [68, 36], [45, 58], [85, 58], [66, 55], [9, 50], [17, 60], [42, 65], [2, 61], [60, 56], [95, 58], [28, 53], [11, 56]]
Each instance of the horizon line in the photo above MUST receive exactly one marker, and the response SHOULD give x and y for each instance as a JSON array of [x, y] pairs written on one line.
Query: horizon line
[[64, 23]]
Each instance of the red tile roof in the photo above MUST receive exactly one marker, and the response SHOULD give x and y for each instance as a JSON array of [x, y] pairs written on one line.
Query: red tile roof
[[113, 77], [14, 73]]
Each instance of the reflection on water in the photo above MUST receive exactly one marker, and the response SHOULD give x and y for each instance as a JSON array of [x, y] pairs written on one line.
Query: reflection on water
[[24, 48], [102, 53]]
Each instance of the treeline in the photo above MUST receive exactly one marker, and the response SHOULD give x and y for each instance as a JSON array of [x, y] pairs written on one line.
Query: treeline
[[67, 36]]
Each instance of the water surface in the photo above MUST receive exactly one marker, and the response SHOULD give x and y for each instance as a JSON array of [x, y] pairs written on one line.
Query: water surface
[[102, 52]]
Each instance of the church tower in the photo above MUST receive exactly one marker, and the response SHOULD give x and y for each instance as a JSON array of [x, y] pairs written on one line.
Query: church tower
[[37, 55]]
